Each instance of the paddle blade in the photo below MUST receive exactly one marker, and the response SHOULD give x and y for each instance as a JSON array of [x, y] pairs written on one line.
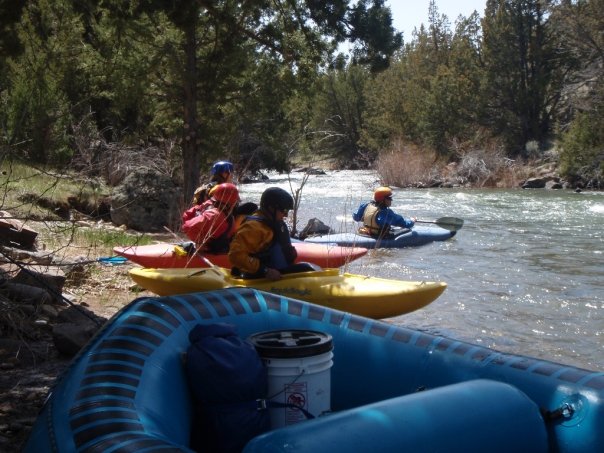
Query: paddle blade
[[112, 260], [450, 223]]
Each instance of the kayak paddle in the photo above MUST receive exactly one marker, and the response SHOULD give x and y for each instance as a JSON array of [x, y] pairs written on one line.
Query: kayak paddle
[[112, 260], [182, 251], [448, 223]]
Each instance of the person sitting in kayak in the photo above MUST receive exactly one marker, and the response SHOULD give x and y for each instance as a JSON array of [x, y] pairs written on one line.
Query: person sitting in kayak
[[211, 225], [378, 218], [262, 247], [222, 172]]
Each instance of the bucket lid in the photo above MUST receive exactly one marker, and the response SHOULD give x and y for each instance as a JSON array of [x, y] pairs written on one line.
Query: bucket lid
[[291, 343]]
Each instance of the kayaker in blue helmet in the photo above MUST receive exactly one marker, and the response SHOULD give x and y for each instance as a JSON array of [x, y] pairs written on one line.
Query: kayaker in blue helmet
[[262, 247], [212, 224], [222, 175], [377, 217], [222, 172]]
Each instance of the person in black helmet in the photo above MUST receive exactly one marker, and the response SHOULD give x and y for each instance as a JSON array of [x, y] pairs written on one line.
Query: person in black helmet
[[262, 248]]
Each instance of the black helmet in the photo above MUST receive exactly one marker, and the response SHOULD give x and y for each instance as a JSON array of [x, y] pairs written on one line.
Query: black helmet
[[275, 197]]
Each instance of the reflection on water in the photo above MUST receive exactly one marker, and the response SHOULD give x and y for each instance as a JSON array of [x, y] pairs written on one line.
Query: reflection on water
[[525, 273]]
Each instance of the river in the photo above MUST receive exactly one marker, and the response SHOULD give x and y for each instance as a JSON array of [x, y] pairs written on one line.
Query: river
[[525, 274]]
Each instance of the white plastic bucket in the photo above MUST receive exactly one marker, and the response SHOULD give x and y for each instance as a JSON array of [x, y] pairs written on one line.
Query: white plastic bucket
[[299, 373]]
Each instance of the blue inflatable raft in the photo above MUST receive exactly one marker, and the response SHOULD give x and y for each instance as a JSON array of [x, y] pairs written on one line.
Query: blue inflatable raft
[[418, 235], [392, 389]]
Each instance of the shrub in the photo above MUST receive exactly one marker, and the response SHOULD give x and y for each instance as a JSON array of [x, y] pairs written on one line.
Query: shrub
[[94, 156], [486, 164], [582, 155], [406, 165]]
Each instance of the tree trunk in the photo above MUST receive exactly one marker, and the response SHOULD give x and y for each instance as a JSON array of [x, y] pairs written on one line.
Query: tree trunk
[[191, 157]]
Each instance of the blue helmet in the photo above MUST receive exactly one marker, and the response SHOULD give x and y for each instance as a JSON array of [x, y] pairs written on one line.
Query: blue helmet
[[222, 166]]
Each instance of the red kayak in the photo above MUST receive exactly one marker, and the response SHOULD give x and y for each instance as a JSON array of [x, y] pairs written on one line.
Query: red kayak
[[175, 255]]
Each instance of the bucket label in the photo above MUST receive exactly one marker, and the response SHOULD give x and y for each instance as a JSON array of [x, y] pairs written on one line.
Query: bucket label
[[297, 395]]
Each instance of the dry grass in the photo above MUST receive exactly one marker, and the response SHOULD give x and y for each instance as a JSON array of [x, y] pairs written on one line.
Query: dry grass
[[487, 166], [407, 166], [490, 168]]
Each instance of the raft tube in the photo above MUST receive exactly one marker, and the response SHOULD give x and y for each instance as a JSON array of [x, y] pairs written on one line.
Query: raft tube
[[503, 419], [127, 390]]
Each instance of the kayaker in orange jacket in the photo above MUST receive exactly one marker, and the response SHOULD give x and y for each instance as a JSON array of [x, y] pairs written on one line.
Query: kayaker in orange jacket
[[262, 245]]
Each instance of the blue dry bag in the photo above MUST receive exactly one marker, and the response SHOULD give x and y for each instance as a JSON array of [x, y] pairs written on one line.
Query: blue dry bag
[[229, 383]]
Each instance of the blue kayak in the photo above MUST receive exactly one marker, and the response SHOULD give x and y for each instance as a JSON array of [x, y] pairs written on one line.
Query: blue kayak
[[418, 235], [391, 388]]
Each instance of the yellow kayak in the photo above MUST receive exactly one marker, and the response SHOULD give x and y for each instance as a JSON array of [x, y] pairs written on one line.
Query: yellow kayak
[[366, 296]]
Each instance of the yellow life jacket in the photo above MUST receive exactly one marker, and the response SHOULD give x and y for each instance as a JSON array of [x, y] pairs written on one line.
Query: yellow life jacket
[[370, 221]]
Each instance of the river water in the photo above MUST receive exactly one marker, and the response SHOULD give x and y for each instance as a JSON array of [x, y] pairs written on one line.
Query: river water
[[525, 274]]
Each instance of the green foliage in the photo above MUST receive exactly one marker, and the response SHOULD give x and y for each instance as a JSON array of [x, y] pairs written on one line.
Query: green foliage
[[37, 118], [337, 114], [372, 30], [523, 71], [430, 94], [124, 77], [36, 112], [10, 14], [387, 113], [263, 108], [89, 241], [582, 156], [107, 239], [580, 25], [39, 192], [249, 82]]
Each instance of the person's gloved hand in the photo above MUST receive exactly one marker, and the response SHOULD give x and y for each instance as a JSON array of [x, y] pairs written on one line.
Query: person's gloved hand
[[272, 274]]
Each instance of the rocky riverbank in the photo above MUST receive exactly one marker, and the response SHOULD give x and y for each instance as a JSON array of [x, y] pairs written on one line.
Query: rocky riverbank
[[51, 304], [39, 340]]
